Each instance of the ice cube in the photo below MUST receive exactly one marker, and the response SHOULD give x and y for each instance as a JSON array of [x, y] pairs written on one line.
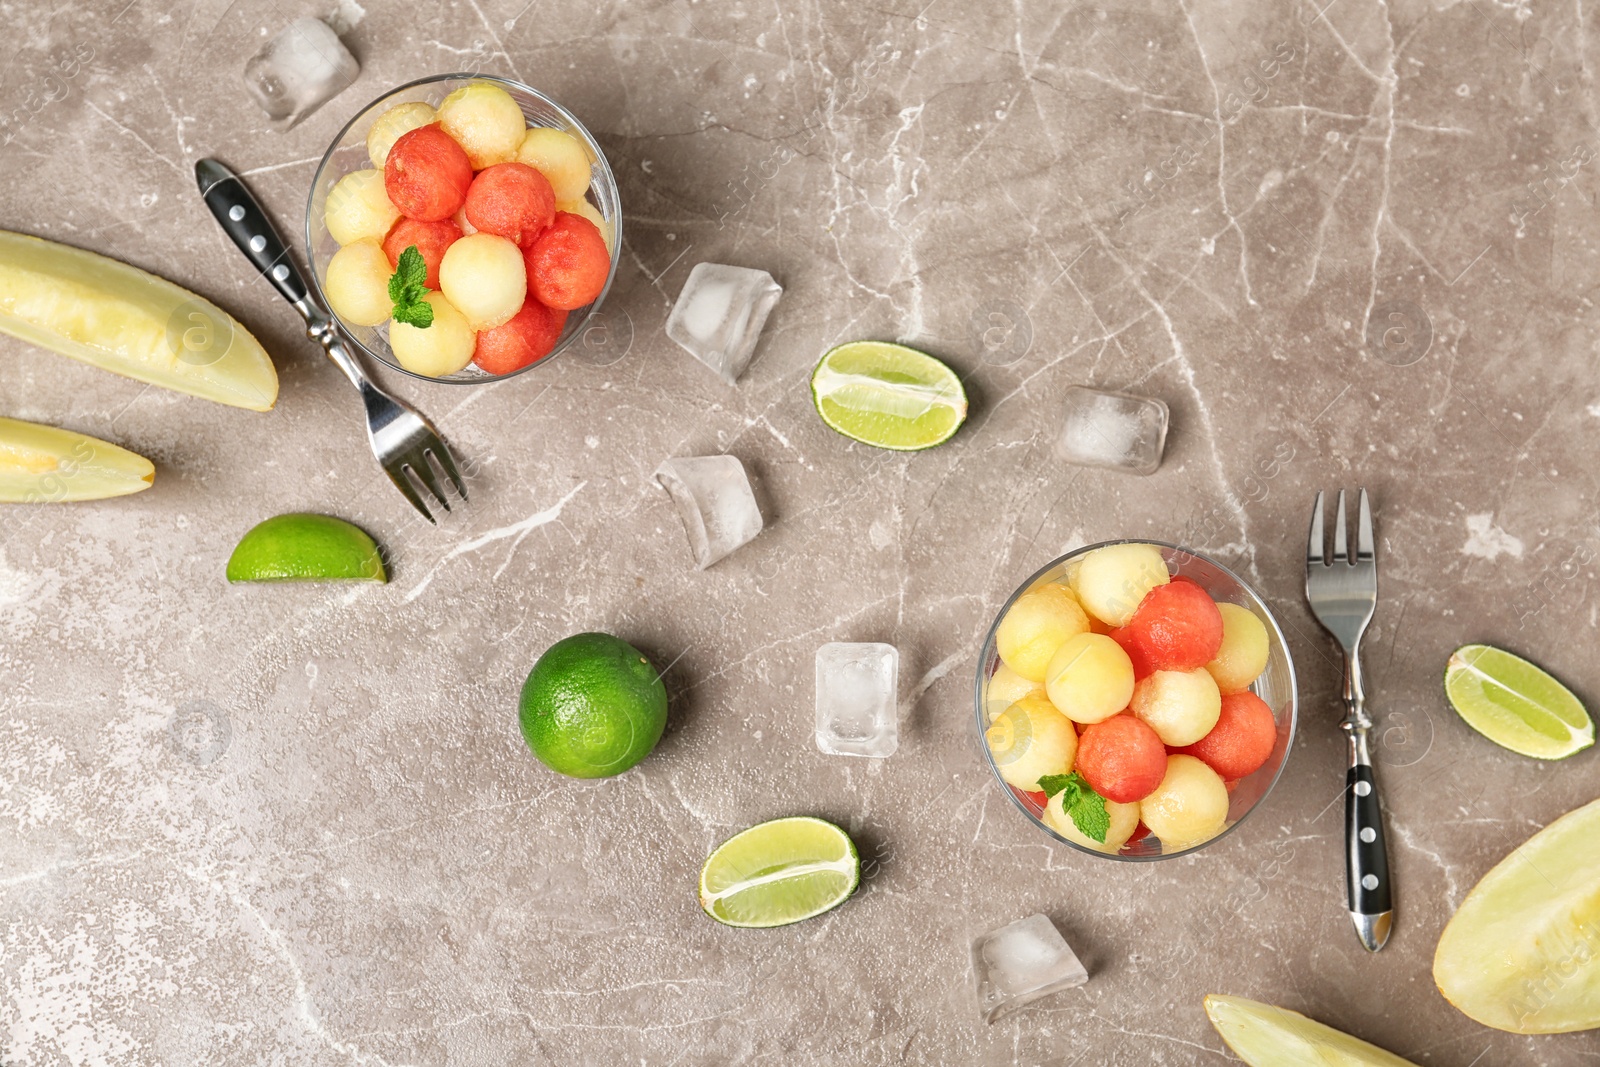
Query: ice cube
[[719, 315], [1114, 430], [1021, 962], [716, 503], [857, 711], [299, 70]]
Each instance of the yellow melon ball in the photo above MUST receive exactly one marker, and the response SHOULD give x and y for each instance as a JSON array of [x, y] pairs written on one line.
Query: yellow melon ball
[[358, 208], [485, 121], [1090, 678], [592, 213], [485, 277], [1180, 706], [1113, 580], [1188, 807], [1005, 688], [442, 348], [1029, 739], [1244, 651], [560, 157], [357, 283], [1036, 625], [394, 124], [1124, 821]]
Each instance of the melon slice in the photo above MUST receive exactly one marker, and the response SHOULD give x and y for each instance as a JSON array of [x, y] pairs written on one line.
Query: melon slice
[[130, 322], [41, 464], [1267, 1036]]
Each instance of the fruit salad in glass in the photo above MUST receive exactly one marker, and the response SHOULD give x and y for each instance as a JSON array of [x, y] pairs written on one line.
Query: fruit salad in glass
[[463, 228], [1135, 699]]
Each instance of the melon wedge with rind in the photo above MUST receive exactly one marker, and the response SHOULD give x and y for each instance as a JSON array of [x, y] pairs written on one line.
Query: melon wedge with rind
[[1522, 953], [1264, 1035], [130, 322], [1516, 704], [888, 396], [43, 464], [779, 872]]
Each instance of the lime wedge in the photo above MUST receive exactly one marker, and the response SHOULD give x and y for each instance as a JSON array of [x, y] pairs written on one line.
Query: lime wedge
[[779, 873], [1515, 704], [1264, 1035], [1522, 953], [305, 548], [889, 396]]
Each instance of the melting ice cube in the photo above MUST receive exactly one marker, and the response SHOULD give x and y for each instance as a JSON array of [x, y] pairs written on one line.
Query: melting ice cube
[[1100, 429], [857, 710], [299, 70], [719, 315], [1021, 962], [716, 503]]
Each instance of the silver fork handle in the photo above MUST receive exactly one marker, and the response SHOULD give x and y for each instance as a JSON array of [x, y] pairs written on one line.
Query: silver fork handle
[[1366, 852]]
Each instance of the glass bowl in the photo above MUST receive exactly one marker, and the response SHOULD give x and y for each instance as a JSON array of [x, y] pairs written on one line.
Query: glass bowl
[[1276, 687], [349, 153]]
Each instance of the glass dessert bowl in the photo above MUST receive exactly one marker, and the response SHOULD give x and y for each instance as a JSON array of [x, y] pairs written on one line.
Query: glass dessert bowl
[[1135, 700], [354, 228]]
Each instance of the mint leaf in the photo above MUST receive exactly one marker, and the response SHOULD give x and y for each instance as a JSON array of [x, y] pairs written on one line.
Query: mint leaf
[[407, 287], [1086, 807]]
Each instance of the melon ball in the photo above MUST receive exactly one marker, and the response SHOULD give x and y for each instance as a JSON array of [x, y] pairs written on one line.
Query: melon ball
[[484, 277], [560, 157], [392, 124], [1035, 626], [357, 283], [1124, 821], [1180, 706], [1005, 688], [358, 208], [1188, 807], [1029, 739], [1243, 655], [441, 348], [1113, 580], [584, 209], [1090, 678], [485, 121]]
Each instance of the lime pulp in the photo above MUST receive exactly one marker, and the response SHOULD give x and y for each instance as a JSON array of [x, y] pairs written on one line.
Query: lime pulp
[[888, 395], [1516, 704], [779, 872]]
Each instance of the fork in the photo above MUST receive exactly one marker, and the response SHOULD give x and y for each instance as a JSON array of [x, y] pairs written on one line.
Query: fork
[[402, 439], [1343, 592]]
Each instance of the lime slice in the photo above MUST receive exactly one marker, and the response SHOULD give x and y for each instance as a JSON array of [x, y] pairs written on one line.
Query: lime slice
[[889, 396], [305, 548], [1515, 704], [1522, 953], [44, 464], [1264, 1035], [779, 873]]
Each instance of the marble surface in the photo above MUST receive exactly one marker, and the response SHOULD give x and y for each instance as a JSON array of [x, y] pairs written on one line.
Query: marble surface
[[298, 825]]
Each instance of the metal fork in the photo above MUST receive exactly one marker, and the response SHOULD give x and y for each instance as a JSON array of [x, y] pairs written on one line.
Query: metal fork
[[1343, 592], [402, 439]]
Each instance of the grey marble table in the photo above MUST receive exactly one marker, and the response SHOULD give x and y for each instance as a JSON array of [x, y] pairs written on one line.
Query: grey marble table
[[298, 825]]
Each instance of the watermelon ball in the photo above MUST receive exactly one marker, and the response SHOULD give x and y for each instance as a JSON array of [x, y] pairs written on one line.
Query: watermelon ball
[[1121, 758], [431, 239], [568, 264], [527, 337], [1242, 740], [427, 174], [511, 200], [1176, 627]]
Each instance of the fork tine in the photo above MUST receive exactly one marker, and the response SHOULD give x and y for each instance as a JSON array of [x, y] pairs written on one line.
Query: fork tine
[[1366, 548], [445, 460], [1341, 545], [420, 466], [1314, 550], [397, 475]]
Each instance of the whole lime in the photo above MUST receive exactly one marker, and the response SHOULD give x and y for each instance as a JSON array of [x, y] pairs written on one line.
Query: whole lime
[[592, 707]]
